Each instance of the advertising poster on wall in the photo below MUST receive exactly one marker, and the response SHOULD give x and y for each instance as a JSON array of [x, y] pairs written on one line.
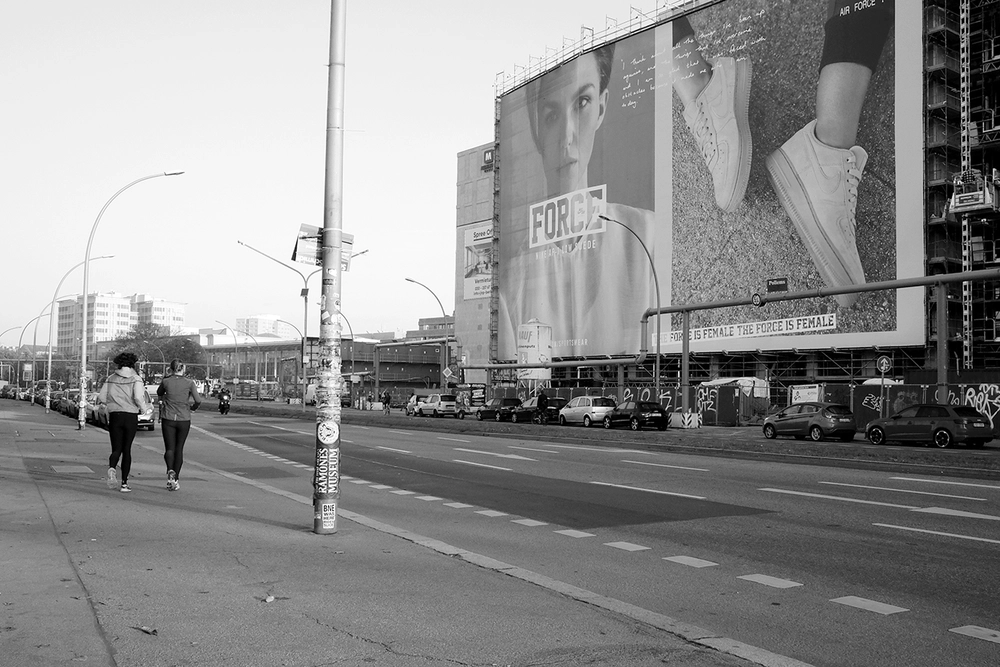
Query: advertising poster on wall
[[478, 270], [746, 140]]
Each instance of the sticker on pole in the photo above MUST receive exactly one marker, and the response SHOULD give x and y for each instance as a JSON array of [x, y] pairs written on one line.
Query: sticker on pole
[[327, 432]]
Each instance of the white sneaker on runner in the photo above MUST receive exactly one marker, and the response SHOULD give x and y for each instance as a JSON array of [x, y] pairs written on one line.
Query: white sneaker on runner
[[112, 478]]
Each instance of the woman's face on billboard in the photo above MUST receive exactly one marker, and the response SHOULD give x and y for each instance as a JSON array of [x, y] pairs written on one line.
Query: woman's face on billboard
[[570, 108]]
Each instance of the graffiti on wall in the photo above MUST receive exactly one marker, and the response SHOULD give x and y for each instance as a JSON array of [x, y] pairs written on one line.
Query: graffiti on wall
[[707, 399], [983, 397]]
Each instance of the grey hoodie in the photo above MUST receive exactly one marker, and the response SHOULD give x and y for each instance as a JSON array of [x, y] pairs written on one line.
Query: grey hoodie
[[123, 391]]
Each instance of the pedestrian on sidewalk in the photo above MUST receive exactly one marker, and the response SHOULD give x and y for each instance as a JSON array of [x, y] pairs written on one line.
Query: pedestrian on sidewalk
[[175, 418], [125, 396]]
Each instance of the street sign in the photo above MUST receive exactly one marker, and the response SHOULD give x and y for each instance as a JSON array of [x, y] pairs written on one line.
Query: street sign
[[777, 285], [757, 300], [307, 251], [447, 372], [883, 364]]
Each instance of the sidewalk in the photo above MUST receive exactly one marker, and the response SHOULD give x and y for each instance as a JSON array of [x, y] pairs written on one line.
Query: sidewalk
[[226, 572]]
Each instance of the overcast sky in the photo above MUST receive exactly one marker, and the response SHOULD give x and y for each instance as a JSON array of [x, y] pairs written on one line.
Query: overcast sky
[[234, 93]]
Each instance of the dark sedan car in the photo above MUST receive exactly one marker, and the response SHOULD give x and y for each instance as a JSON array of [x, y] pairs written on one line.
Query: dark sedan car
[[497, 408], [940, 425], [526, 411], [637, 414], [812, 419]]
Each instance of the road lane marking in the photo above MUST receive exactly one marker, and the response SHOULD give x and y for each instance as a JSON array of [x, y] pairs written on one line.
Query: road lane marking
[[517, 457], [773, 582], [531, 523], [884, 488], [454, 439], [690, 561], [664, 465], [846, 500], [400, 432], [458, 506], [869, 605], [360, 481], [941, 481], [429, 498], [977, 632], [403, 492], [626, 546], [380, 486], [482, 465], [639, 488], [957, 513], [609, 450], [936, 532], [391, 449], [574, 533], [532, 449], [491, 513]]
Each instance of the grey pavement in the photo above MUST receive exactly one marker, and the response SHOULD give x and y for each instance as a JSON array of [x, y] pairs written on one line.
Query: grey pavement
[[227, 572]]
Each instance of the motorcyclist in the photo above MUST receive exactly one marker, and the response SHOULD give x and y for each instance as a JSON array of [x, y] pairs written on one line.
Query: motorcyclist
[[224, 399]]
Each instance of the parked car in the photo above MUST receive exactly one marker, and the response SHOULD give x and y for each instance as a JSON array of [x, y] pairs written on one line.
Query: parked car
[[438, 405], [586, 410], [55, 399], [147, 419], [91, 416], [930, 423], [526, 411], [68, 403], [814, 420], [411, 405], [498, 408], [638, 414]]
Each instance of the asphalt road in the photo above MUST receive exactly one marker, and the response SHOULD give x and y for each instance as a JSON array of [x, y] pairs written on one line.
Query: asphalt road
[[829, 565]]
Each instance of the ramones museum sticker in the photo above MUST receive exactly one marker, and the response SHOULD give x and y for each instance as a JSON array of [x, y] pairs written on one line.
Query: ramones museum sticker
[[328, 432]]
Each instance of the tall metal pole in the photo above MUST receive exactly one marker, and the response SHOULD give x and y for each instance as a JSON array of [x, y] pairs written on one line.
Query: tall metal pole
[[445, 357], [86, 288], [52, 331], [656, 284], [329, 385]]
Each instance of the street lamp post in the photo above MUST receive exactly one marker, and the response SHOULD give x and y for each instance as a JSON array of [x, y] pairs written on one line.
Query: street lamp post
[[302, 360], [86, 288], [52, 330], [235, 345], [656, 284], [256, 363], [446, 357]]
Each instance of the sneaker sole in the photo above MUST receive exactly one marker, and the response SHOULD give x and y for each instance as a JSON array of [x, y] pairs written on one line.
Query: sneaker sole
[[112, 482], [792, 196], [741, 109]]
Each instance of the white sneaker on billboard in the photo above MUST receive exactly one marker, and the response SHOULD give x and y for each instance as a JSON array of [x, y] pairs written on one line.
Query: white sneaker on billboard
[[718, 119], [818, 187]]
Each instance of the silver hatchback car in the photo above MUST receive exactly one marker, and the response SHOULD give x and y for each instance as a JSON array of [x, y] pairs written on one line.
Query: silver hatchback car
[[586, 410]]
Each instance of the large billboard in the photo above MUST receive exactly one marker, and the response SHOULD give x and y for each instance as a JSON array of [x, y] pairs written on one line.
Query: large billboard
[[747, 144]]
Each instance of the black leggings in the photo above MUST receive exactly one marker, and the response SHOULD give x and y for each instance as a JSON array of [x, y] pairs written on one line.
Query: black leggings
[[175, 433], [122, 427]]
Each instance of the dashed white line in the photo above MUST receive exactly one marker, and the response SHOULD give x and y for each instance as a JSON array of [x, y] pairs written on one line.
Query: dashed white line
[[639, 488], [531, 523], [458, 506], [773, 582], [454, 439], [403, 492], [942, 481], [482, 465], [977, 632], [400, 432], [869, 605], [846, 500], [883, 488], [690, 561], [517, 457], [664, 465], [360, 481], [574, 533], [429, 498], [935, 532], [380, 486], [626, 546], [491, 513], [532, 449], [957, 513], [391, 449]]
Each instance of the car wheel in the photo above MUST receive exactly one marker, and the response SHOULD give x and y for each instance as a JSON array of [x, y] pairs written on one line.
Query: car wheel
[[770, 432], [497, 416], [513, 417], [942, 438], [435, 414], [876, 435], [607, 422], [562, 420], [586, 421], [479, 416], [815, 433], [633, 424], [460, 415]]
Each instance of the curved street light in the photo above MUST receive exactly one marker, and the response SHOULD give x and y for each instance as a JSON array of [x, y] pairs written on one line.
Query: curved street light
[[236, 345], [302, 358], [656, 283], [52, 331], [447, 349], [86, 287]]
